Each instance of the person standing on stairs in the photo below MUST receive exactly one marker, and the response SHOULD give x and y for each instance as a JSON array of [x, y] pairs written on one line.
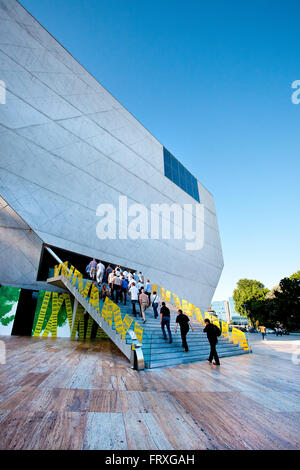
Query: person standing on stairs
[[133, 291], [93, 267], [110, 284], [117, 284], [100, 272], [144, 303], [148, 288], [184, 322], [155, 301], [165, 318], [124, 288], [212, 332]]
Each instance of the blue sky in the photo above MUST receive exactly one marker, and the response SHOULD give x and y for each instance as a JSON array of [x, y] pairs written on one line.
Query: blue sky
[[212, 82]]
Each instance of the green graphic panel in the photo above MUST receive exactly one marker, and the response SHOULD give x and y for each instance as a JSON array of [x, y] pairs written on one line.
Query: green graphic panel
[[9, 298]]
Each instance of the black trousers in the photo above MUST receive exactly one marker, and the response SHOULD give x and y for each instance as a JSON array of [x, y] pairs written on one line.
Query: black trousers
[[117, 290], [184, 332], [213, 352], [124, 293]]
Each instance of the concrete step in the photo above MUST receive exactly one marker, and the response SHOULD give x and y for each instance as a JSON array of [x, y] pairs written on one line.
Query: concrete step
[[170, 355], [187, 358]]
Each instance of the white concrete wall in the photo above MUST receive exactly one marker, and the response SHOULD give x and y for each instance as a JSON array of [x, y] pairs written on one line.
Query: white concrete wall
[[67, 145], [20, 250]]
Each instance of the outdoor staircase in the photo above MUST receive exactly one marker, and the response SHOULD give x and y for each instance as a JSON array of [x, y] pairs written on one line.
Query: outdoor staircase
[[143, 343], [160, 353]]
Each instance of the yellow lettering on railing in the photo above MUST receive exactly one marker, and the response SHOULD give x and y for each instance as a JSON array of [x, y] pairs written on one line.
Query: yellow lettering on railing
[[107, 310], [138, 332], [191, 309], [127, 322], [239, 337], [177, 301], [198, 315], [154, 288], [86, 289], [78, 276], [185, 306], [57, 269], [225, 329], [162, 292], [119, 322], [64, 269], [94, 297], [70, 272], [168, 296]]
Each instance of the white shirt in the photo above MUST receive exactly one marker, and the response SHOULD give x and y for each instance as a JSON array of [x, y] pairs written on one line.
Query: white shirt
[[130, 281], [100, 268], [140, 285], [155, 298], [134, 293], [125, 274]]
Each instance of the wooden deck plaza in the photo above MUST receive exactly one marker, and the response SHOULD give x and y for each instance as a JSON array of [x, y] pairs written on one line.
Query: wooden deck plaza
[[61, 394]]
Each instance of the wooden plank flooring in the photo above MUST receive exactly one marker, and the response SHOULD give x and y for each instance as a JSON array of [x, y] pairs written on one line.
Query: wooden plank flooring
[[61, 394]]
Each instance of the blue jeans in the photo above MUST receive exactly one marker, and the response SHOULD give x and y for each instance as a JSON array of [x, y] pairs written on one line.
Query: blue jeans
[[166, 322], [155, 305]]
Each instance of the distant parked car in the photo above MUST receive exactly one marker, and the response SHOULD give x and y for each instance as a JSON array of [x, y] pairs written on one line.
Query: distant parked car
[[252, 330], [269, 331]]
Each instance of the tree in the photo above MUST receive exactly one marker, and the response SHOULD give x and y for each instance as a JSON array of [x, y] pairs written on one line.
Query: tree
[[248, 299], [296, 275], [286, 304]]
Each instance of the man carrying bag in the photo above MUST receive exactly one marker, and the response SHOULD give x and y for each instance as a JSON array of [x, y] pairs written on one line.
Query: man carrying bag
[[212, 332]]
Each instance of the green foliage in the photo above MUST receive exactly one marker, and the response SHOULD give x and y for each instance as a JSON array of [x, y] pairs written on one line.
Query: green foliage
[[296, 275], [247, 297], [282, 308], [9, 296]]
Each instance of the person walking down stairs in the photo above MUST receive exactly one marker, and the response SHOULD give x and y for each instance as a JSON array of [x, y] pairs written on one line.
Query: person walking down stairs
[[184, 322], [212, 332], [165, 318], [144, 303]]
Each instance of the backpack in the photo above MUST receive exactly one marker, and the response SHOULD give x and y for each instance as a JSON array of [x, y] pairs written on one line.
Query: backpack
[[218, 331]]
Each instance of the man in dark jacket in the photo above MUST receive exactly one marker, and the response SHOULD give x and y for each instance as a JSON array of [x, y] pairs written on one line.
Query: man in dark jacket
[[165, 318], [184, 322], [212, 335]]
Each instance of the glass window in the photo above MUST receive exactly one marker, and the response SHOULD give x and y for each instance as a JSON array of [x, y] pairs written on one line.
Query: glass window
[[168, 171], [177, 173]]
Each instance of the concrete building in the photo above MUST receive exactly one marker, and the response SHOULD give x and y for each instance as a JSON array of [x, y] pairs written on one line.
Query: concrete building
[[225, 311], [234, 315], [221, 309], [67, 145]]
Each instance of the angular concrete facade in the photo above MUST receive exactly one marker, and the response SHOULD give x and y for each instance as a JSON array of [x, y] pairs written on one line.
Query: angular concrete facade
[[67, 146]]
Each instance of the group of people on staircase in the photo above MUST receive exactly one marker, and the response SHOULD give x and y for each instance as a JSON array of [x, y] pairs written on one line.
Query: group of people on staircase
[[117, 284]]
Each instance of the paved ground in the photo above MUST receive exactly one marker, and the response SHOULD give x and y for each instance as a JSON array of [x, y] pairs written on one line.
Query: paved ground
[[61, 394]]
